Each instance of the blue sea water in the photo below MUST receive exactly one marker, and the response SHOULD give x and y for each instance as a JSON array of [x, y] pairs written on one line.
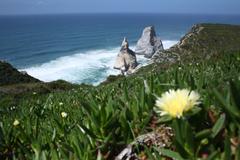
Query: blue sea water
[[81, 48]]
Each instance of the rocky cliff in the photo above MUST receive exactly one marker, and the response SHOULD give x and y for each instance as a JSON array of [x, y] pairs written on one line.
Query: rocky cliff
[[10, 75], [202, 42]]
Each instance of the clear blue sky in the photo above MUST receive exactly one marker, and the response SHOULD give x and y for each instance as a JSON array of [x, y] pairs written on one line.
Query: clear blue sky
[[119, 6]]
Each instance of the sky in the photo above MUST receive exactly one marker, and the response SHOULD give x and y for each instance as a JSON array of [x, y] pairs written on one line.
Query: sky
[[17, 7]]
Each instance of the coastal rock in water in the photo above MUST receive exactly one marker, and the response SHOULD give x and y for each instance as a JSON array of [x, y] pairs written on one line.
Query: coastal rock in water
[[149, 43], [126, 60]]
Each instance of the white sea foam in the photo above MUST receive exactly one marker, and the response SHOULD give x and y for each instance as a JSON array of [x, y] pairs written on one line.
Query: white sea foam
[[88, 67], [168, 43]]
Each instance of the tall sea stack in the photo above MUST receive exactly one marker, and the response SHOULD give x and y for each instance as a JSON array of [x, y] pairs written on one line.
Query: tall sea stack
[[149, 43], [126, 59]]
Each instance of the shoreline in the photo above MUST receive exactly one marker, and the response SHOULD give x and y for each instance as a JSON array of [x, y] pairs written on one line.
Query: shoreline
[[181, 53], [101, 56]]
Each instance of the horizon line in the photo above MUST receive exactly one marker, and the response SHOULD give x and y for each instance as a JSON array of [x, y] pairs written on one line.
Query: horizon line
[[89, 13]]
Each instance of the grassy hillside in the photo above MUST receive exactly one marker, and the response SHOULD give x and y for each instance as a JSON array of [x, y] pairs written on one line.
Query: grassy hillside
[[204, 41], [108, 117], [85, 122]]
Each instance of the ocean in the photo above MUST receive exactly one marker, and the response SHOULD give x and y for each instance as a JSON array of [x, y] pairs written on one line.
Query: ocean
[[81, 48]]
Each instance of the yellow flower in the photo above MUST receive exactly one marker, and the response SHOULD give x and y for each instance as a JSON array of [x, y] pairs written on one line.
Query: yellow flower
[[175, 102], [16, 122], [64, 114], [60, 103]]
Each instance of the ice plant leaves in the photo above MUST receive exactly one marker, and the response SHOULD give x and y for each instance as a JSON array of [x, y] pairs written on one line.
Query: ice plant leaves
[[218, 125], [184, 136], [233, 111], [169, 153], [203, 134], [107, 118], [227, 148]]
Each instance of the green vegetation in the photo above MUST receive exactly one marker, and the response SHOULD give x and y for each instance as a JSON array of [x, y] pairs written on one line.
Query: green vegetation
[[102, 120], [207, 40], [59, 120]]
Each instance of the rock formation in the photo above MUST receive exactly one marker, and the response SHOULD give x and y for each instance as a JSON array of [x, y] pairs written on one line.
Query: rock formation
[[161, 137], [126, 59], [10, 75], [149, 43]]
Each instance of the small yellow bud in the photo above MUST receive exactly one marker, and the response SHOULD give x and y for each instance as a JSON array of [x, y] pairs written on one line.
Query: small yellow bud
[[64, 114], [204, 141], [16, 122]]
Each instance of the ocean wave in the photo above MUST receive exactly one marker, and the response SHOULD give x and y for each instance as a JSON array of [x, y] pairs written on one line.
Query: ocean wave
[[91, 67]]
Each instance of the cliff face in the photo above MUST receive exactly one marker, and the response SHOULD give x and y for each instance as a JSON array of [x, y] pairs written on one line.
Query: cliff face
[[10, 75], [202, 42]]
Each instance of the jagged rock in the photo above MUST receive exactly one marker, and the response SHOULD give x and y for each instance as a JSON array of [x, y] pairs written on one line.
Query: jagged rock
[[126, 60], [165, 56], [24, 72], [149, 43], [160, 138]]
